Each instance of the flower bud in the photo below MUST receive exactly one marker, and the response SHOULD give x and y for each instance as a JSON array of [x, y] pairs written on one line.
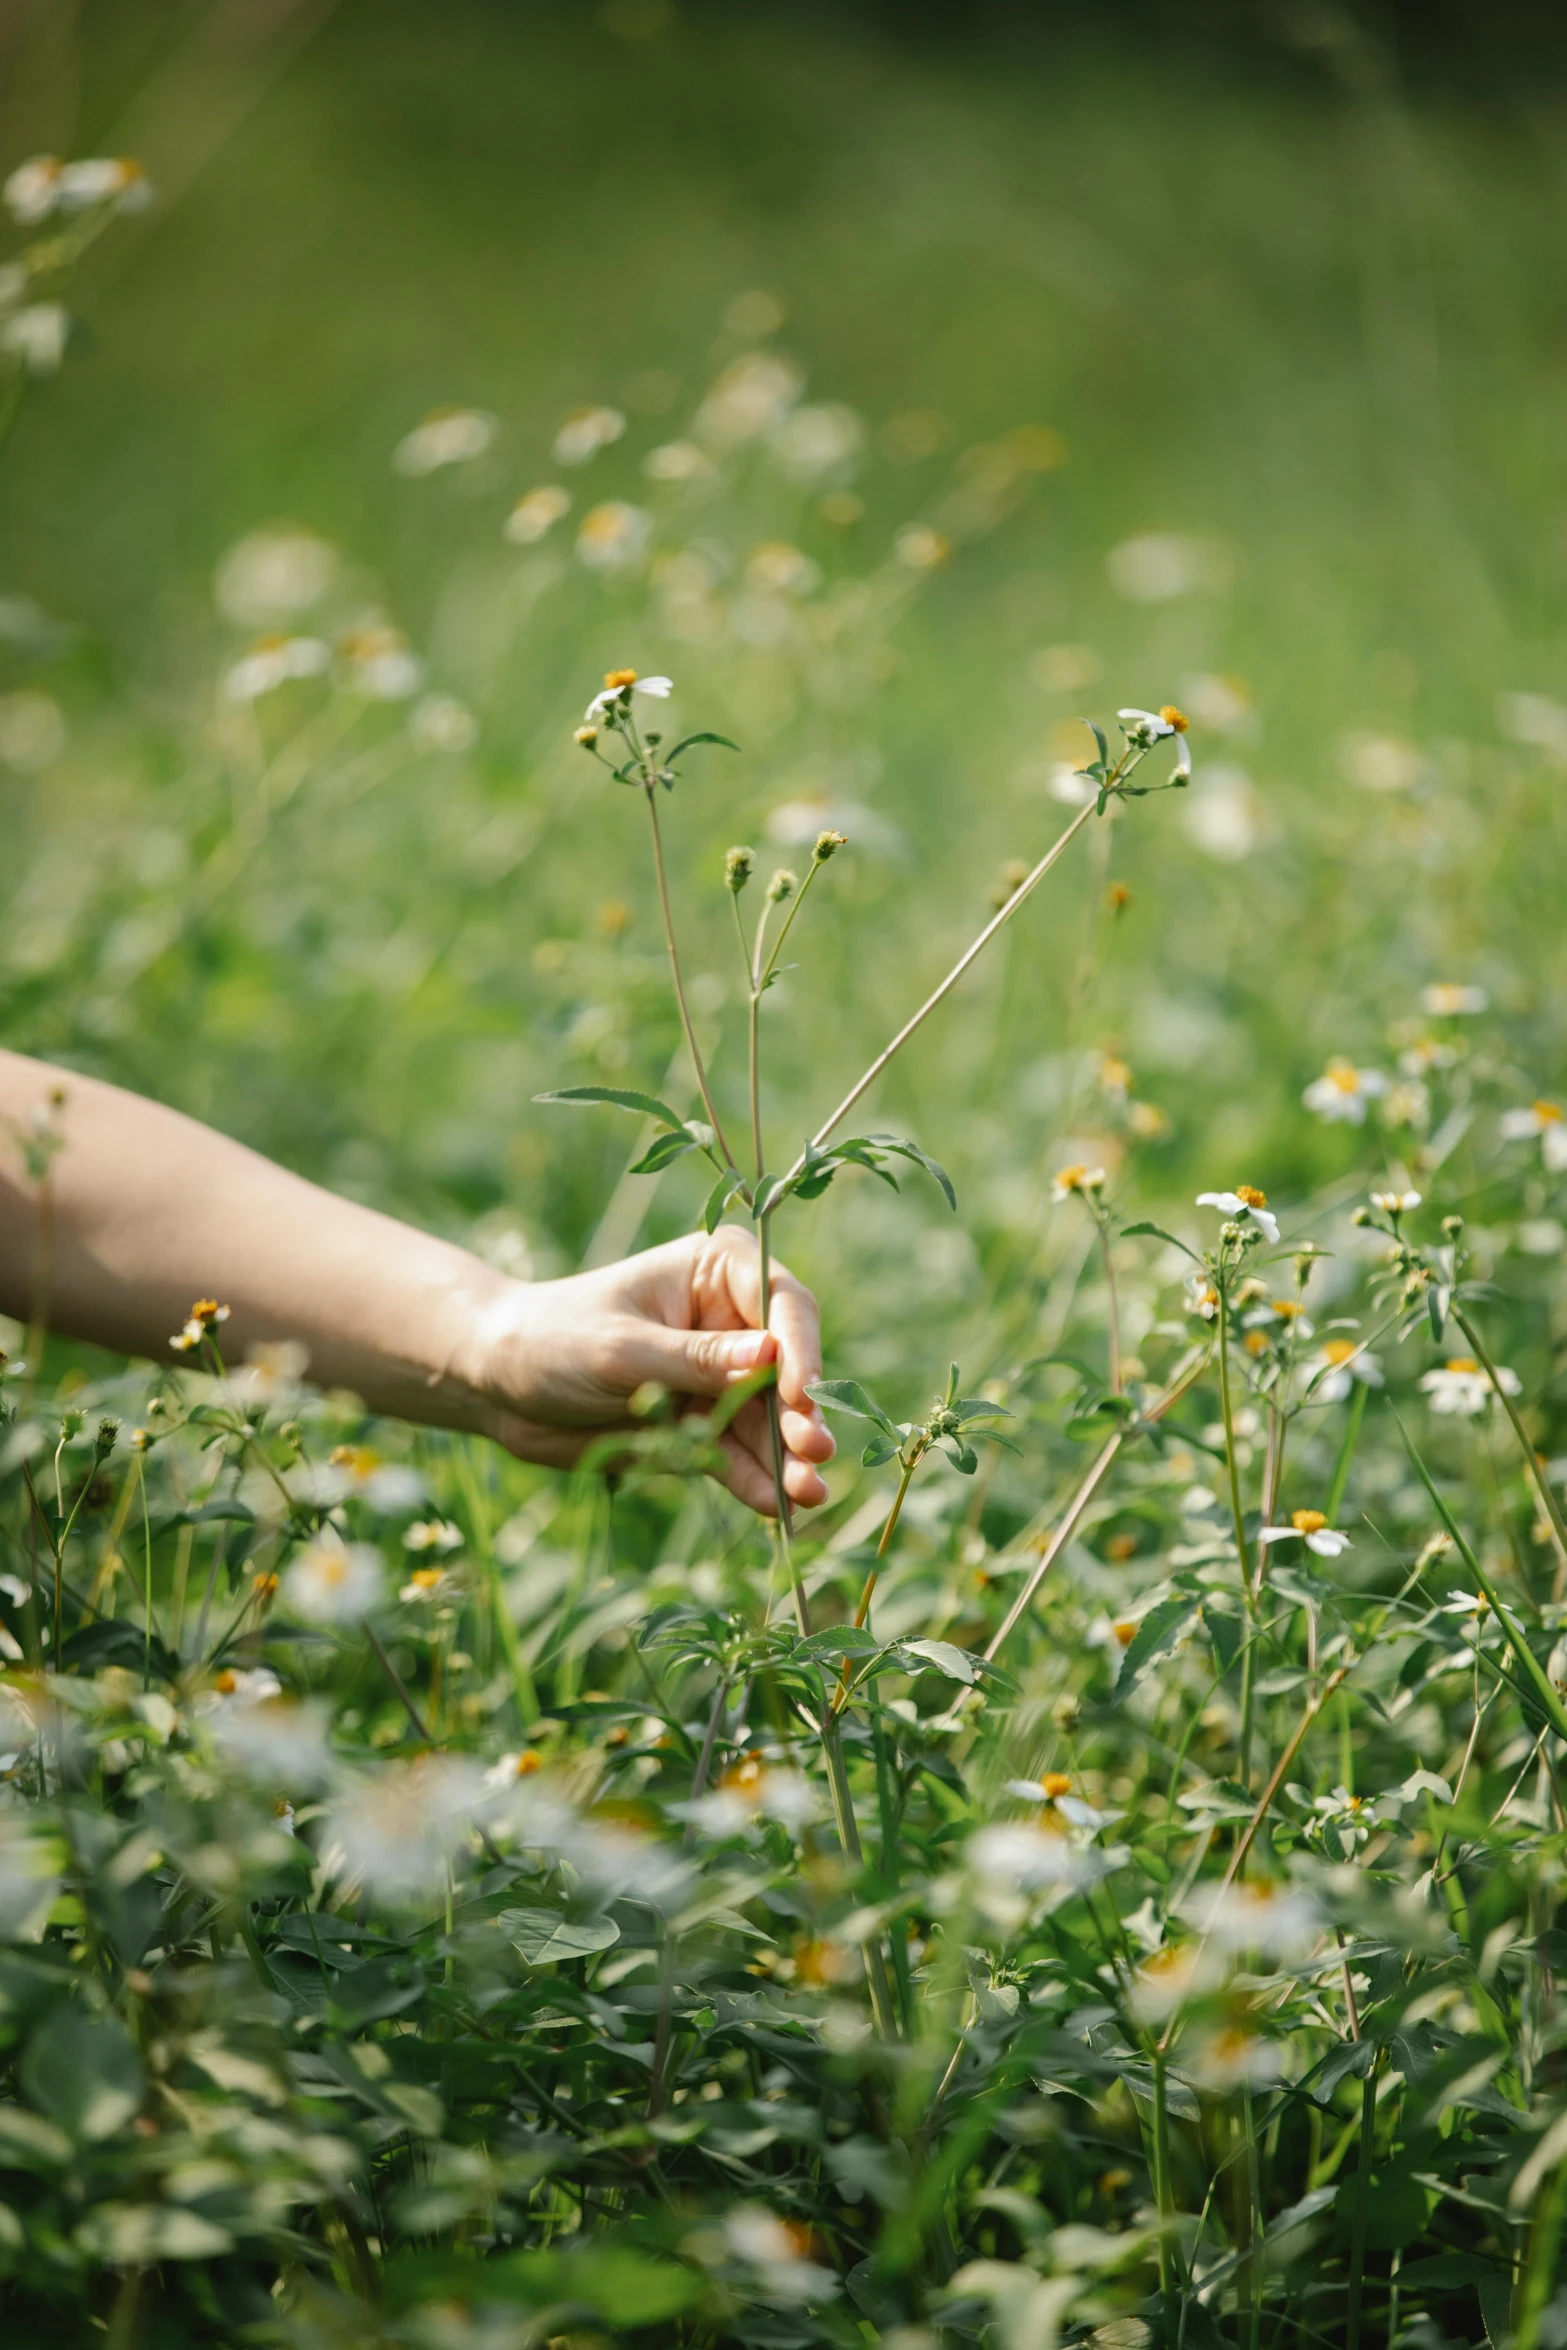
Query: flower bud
[[783, 885], [104, 1441], [1452, 1227], [738, 865], [586, 737], [1361, 1218], [827, 845]]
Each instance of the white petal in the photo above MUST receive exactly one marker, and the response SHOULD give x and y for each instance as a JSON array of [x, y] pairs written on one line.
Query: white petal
[[659, 687], [1329, 1543], [1225, 1200]]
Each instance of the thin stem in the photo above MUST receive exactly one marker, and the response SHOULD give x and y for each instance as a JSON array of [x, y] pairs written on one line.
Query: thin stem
[[1238, 1857], [1080, 1501], [1346, 1453], [887, 1533], [971, 954], [1226, 1408], [1168, 2298], [786, 925], [1362, 2208], [651, 795], [392, 1674], [1102, 1227], [1553, 1509]]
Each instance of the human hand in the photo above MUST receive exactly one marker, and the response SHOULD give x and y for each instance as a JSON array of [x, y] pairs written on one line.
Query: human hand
[[561, 1359]]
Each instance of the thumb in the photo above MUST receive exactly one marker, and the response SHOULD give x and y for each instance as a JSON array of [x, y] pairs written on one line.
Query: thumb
[[698, 1362]]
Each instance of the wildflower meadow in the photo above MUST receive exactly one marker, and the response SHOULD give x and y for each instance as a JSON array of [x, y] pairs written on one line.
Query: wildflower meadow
[[1086, 902]]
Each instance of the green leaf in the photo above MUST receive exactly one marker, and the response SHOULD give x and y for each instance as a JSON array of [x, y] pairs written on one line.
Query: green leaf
[[84, 2073], [1154, 1637], [847, 1395], [837, 1642], [645, 1105], [880, 1450], [687, 740], [911, 1150], [544, 1937], [723, 1191], [664, 1149], [1098, 734], [944, 1656], [1158, 1232]]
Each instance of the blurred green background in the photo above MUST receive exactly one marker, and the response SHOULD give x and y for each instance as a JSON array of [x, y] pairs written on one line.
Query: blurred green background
[[1227, 363]]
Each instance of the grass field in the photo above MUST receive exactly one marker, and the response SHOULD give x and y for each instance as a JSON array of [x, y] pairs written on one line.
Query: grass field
[[909, 399]]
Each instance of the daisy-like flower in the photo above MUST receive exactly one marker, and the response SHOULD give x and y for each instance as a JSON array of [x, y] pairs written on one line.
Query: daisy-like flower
[[273, 661], [511, 1767], [1144, 728], [1273, 1920], [377, 662], [33, 189], [535, 514], [237, 1688], [919, 548], [36, 336], [448, 436], [334, 1582], [1341, 1093], [1312, 1528], [619, 686], [585, 432], [1070, 1179], [1396, 1203], [423, 1586], [1244, 1200], [1450, 1000], [1332, 1372], [1201, 1297], [205, 1316], [1054, 1791], [1546, 1119], [1461, 1389], [432, 1534], [614, 536], [1234, 2058], [102, 179]]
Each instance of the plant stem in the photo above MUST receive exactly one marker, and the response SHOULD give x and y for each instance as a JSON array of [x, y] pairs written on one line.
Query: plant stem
[[1238, 1515], [1362, 2208], [697, 1064], [1346, 1452], [1102, 1227], [1238, 1857], [1080, 1501], [1553, 1509], [1168, 2299], [971, 954], [802, 1609], [392, 1674], [876, 1977]]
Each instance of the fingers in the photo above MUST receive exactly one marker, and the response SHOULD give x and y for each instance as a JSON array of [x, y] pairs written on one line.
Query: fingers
[[794, 1322], [688, 1362], [749, 1476]]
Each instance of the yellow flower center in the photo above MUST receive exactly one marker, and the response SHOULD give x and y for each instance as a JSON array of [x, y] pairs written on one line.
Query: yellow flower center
[[1340, 1351], [1056, 1783], [1307, 1521], [615, 679], [1344, 1075], [1549, 1113], [1071, 1178], [1173, 717], [225, 1684], [426, 1578], [1249, 1196], [1126, 1631], [1464, 1365]]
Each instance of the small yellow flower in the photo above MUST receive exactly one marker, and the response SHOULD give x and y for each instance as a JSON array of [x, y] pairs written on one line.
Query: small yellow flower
[[427, 1578], [1340, 1351], [1307, 1521], [1250, 1196], [1056, 1783], [1464, 1363], [1125, 1631], [1076, 1178], [616, 679], [1176, 720]]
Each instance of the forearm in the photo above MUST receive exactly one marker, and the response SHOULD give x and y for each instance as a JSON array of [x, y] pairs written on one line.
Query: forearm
[[150, 1210]]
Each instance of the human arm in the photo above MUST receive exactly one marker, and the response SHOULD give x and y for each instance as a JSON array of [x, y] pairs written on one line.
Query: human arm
[[148, 1209]]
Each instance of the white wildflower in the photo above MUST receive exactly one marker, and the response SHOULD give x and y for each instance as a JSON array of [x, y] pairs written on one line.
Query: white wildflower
[[1461, 1389], [1222, 814], [274, 661], [375, 660], [399, 1830], [1312, 1528], [1329, 1375], [1396, 1203], [751, 397], [676, 461], [1269, 1919], [276, 1741], [432, 1534], [102, 179], [817, 441], [585, 432], [270, 575], [1342, 1092], [35, 337], [448, 436], [919, 548], [536, 514], [619, 686], [1234, 2058], [334, 1583], [32, 191], [1247, 1201], [614, 537], [1447, 999], [1547, 1120]]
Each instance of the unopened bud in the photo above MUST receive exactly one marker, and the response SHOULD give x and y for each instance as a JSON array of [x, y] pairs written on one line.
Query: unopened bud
[[783, 885], [586, 737], [1452, 1227], [827, 845], [104, 1442], [1361, 1218], [738, 867]]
